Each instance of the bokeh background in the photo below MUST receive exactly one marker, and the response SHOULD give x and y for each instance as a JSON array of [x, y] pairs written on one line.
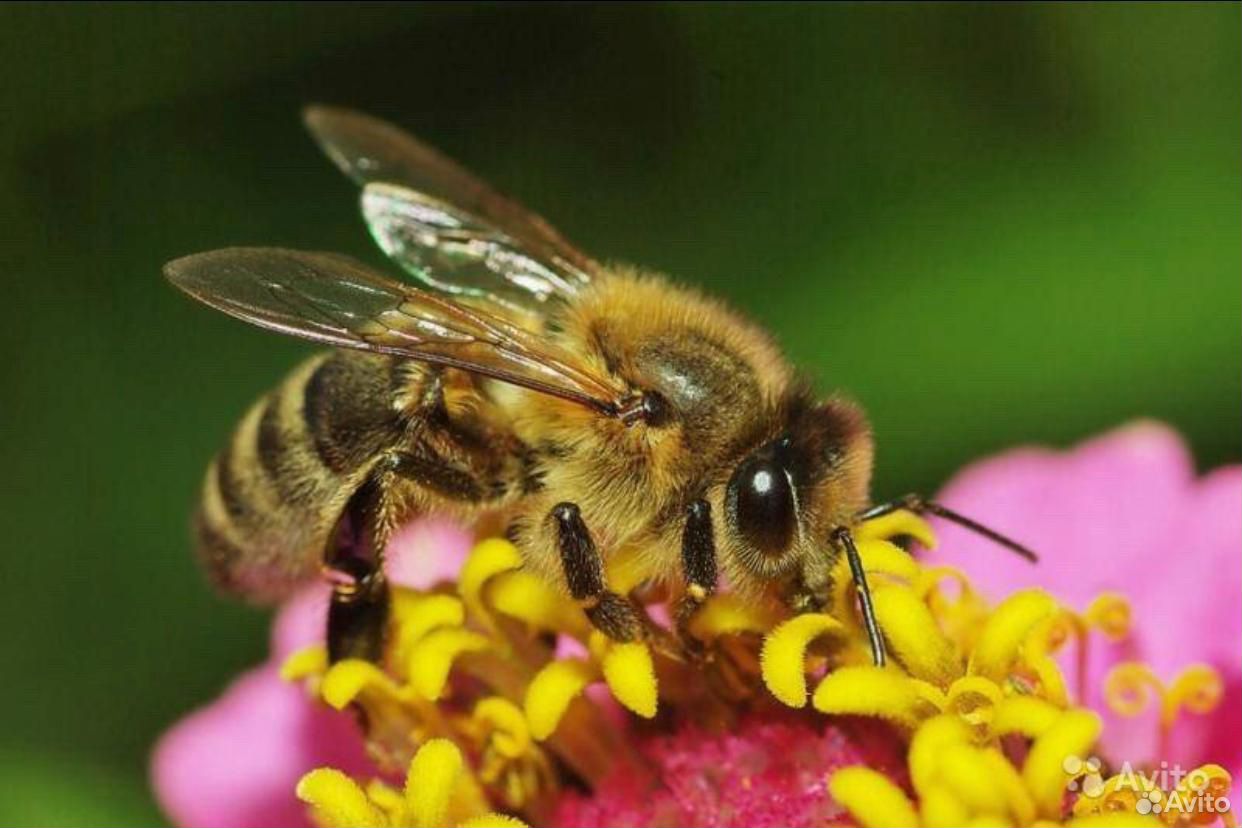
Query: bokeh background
[[992, 225]]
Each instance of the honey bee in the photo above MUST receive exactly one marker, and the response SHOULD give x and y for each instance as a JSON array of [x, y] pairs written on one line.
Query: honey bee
[[591, 409]]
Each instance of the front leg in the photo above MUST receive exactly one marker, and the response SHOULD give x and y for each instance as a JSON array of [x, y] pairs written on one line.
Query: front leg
[[612, 614], [698, 564]]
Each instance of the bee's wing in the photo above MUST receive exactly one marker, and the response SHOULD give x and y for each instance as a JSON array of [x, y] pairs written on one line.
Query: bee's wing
[[458, 253], [330, 298], [373, 152]]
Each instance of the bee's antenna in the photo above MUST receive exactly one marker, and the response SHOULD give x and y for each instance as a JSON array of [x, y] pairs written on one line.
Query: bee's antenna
[[919, 505], [842, 538]]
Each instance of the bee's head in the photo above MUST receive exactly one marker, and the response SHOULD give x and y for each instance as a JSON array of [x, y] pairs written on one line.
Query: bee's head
[[786, 495]]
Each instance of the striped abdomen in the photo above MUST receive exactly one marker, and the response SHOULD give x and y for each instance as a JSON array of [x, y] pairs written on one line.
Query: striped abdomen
[[273, 497]]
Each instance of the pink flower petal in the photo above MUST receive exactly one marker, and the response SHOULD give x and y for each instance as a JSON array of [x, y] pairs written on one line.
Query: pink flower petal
[[301, 621], [235, 762], [427, 552], [1199, 575], [1096, 514], [1124, 513]]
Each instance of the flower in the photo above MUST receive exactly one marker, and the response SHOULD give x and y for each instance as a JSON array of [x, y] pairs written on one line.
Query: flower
[[236, 761], [497, 702], [438, 791], [1141, 525]]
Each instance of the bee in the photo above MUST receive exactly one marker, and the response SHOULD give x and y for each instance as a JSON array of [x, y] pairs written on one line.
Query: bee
[[594, 410]]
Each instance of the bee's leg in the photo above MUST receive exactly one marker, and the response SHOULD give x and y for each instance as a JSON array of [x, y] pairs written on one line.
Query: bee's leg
[[611, 613], [358, 615], [698, 564], [842, 539], [358, 611], [922, 506]]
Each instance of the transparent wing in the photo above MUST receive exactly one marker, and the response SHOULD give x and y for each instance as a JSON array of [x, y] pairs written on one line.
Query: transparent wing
[[458, 253], [333, 299], [370, 150]]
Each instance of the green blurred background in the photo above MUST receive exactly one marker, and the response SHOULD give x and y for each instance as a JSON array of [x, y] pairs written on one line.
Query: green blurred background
[[992, 225]]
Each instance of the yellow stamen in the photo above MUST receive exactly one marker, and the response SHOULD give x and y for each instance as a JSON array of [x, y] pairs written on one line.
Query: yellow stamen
[[630, 674], [521, 595], [929, 578], [974, 699], [511, 736], [914, 636], [928, 744], [1050, 679], [432, 656], [488, 558], [783, 658], [439, 790], [901, 523], [968, 773], [510, 763], [306, 662], [874, 691], [416, 614], [1072, 734], [1211, 779], [346, 680], [335, 799], [389, 800], [726, 613], [1110, 614], [872, 798], [1198, 688], [1029, 716], [626, 568], [961, 617], [941, 809], [430, 782], [1116, 794], [1001, 773], [492, 820], [1009, 626], [880, 558], [551, 691]]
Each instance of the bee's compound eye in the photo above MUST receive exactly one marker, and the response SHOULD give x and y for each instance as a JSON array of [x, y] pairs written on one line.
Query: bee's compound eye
[[762, 505]]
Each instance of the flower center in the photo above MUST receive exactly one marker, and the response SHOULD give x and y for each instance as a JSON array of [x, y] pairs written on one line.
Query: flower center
[[496, 693]]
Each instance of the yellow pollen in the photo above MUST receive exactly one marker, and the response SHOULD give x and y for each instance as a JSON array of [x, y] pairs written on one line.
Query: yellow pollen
[[481, 699]]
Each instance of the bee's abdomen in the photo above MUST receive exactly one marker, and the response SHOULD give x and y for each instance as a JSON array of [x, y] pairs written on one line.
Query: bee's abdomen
[[272, 497]]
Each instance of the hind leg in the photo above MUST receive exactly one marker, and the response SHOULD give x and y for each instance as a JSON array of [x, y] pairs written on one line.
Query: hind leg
[[358, 612]]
